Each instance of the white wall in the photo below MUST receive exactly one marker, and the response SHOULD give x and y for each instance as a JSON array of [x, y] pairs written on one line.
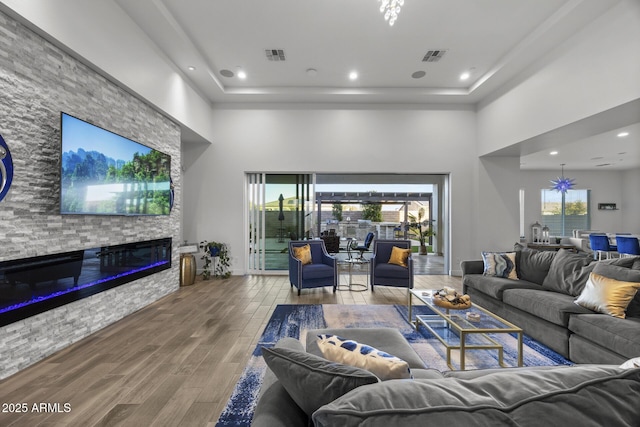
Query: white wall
[[594, 71], [630, 201], [605, 186], [333, 139], [498, 205]]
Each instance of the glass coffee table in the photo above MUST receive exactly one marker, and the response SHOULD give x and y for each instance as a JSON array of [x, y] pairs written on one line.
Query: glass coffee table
[[463, 330]]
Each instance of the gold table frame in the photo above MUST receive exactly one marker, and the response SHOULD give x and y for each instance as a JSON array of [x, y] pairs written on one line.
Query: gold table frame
[[455, 321]]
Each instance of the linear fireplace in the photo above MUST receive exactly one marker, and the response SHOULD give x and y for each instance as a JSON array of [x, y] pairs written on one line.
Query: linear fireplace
[[34, 285]]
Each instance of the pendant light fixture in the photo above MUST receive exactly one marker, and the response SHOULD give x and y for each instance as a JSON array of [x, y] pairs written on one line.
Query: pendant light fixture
[[562, 184], [390, 9]]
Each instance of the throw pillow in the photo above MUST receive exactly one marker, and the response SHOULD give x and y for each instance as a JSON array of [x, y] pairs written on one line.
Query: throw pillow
[[500, 264], [565, 273], [303, 253], [608, 296], [399, 256], [533, 265], [312, 381], [574, 282], [618, 272], [349, 352]]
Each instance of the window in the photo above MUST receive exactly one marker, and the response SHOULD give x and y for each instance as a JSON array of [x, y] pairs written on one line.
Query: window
[[563, 212]]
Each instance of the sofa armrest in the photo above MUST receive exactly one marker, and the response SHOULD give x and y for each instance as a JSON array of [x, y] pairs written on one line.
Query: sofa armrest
[[472, 267]]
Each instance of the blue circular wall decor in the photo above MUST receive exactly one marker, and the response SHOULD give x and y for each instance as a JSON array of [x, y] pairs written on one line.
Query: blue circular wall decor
[[6, 168]]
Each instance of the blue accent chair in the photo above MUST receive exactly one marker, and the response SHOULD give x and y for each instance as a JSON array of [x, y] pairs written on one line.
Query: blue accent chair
[[384, 274], [323, 270], [599, 244], [628, 245]]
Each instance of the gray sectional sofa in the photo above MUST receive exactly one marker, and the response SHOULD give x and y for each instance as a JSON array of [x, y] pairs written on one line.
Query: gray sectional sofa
[[301, 388], [542, 303]]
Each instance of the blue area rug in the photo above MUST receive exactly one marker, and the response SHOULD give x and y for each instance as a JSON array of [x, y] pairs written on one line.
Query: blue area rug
[[295, 320]]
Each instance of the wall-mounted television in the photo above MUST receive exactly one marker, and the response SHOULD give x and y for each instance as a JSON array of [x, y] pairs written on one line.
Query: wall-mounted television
[[103, 173]]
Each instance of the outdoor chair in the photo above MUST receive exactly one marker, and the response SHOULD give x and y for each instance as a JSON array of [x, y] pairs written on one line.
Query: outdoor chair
[[365, 246], [321, 271], [384, 273]]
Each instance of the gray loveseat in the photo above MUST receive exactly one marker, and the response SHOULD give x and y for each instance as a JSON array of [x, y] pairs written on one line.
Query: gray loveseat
[[542, 303], [305, 389]]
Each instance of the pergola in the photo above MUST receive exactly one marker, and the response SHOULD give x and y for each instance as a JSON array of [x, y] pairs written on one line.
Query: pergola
[[395, 198]]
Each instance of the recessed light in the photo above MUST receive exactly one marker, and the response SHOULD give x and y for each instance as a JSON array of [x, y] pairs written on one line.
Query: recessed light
[[553, 153], [191, 68], [242, 75], [465, 75], [312, 72], [623, 134], [353, 75]]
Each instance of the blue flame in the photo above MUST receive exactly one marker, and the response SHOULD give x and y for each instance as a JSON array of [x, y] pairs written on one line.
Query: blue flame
[[83, 286]]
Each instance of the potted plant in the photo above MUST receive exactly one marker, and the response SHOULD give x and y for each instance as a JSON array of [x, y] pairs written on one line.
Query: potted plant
[[222, 264], [421, 229]]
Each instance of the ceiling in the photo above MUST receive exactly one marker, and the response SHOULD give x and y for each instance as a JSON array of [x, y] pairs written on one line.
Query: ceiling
[[317, 44], [324, 41], [603, 151], [498, 42]]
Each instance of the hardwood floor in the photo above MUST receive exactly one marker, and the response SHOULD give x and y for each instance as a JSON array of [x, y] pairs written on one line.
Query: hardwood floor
[[173, 363]]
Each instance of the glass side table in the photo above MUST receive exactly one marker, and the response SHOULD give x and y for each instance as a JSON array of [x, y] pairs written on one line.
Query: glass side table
[[350, 265]]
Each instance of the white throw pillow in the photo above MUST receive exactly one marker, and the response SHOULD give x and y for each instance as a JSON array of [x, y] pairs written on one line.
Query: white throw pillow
[[607, 296], [353, 353]]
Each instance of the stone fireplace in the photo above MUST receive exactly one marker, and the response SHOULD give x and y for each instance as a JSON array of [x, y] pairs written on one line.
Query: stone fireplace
[[40, 80]]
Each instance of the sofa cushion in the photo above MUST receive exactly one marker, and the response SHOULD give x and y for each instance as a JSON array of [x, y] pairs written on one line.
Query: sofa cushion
[[607, 296], [565, 273], [312, 381], [350, 352], [495, 286], [533, 265], [391, 270], [553, 307], [574, 396], [569, 277], [316, 271], [500, 264], [618, 335]]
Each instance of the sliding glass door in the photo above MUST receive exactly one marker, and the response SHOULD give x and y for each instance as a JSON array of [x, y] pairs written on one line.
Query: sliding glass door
[[279, 208]]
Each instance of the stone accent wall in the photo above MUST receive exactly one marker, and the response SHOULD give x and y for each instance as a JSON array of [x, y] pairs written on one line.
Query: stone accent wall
[[38, 81]]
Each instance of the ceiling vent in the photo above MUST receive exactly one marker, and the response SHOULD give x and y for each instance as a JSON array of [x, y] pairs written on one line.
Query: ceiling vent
[[434, 55], [275, 54]]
